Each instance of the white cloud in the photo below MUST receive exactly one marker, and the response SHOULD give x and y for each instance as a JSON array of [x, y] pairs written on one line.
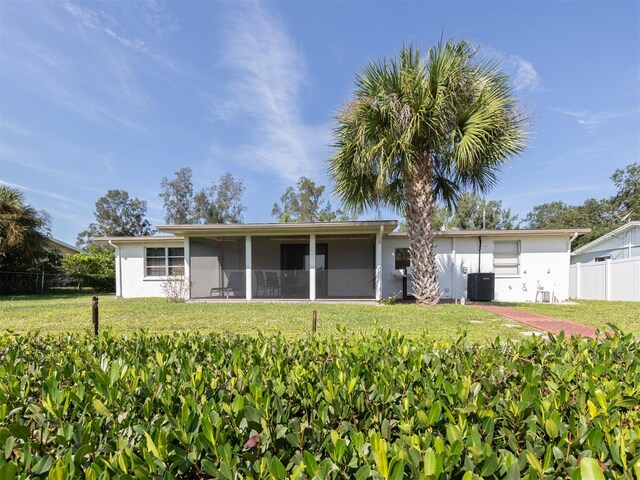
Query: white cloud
[[56, 196], [522, 73], [47, 47], [269, 74], [100, 21], [525, 76], [592, 120]]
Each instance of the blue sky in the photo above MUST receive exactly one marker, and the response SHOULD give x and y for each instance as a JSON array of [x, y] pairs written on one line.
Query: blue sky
[[101, 95]]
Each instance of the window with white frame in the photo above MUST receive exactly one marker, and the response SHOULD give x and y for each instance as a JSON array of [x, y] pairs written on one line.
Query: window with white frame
[[506, 258], [163, 261]]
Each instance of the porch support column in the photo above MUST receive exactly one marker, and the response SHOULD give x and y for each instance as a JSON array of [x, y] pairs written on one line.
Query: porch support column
[[312, 266], [379, 263], [187, 265], [247, 264], [118, 270]]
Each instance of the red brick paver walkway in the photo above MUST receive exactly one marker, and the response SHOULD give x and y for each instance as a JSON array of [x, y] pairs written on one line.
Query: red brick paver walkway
[[548, 324]]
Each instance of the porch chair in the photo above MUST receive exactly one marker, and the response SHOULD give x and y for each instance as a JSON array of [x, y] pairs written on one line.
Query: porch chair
[[273, 283], [260, 283], [235, 285]]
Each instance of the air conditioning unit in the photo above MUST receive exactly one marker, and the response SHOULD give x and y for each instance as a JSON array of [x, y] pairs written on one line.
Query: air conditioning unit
[[481, 287]]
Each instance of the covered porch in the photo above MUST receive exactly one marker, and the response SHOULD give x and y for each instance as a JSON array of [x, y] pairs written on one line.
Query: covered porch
[[280, 262]]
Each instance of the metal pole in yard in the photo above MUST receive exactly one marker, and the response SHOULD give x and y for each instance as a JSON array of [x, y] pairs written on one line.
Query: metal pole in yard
[[94, 315], [314, 322], [42, 285]]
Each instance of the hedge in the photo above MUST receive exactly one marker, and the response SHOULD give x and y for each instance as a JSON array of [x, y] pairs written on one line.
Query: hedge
[[214, 406]]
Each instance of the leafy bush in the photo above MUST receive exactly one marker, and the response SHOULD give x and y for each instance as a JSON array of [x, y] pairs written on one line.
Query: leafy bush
[[96, 267], [190, 406]]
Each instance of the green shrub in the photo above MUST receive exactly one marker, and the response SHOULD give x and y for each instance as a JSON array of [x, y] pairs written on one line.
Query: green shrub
[[93, 268], [191, 406]]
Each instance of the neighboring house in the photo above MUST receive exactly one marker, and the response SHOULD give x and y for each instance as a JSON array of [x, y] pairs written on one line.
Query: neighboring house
[[341, 260], [623, 242], [64, 248], [609, 267]]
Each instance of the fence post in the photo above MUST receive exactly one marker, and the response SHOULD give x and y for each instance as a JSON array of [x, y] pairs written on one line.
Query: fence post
[[607, 279], [578, 280], [94, 315], [314, 321], [42, 286]]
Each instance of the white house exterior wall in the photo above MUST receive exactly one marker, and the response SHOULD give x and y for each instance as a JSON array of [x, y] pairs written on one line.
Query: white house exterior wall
[[133, 283], [544, 263]]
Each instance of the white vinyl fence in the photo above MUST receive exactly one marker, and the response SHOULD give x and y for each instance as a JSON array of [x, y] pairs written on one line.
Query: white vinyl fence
[[608, 280]]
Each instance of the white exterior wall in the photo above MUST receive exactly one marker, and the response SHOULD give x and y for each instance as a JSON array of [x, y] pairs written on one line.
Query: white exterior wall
[[131, 260], [544, 262]]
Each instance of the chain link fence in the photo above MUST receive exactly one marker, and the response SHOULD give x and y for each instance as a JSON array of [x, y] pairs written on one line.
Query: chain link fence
[[30, 283]]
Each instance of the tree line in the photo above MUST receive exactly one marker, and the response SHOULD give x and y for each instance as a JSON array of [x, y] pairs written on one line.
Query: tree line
[[118, 214], [25, 231]]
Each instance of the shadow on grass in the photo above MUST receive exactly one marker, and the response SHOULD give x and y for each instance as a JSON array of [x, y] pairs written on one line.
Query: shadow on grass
[[55, 294]]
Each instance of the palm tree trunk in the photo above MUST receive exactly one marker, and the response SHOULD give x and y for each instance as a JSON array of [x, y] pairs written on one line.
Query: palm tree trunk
[[420, 205]]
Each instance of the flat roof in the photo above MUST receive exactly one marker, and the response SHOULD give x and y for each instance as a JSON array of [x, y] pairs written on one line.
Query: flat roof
[[178, 232], [231, 229], [149, 239], [500, 233]]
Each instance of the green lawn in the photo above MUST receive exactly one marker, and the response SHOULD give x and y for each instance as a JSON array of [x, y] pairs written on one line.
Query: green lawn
[[72, 313], [605, 315]]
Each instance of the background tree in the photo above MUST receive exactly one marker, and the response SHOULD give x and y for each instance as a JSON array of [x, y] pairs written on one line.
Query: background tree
[[627, 199], [117, 215], [24, 235], [219, 203], [421, 129], [599, 215], [177, 195], [306, 203], [472, 212]]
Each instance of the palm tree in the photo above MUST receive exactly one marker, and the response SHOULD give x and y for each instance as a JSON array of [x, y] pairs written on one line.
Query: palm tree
[[422, 129], [22, 236]]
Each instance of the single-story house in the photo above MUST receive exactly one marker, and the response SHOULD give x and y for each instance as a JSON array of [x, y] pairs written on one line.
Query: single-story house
[[64, 248], [338, 260], [623, 242]]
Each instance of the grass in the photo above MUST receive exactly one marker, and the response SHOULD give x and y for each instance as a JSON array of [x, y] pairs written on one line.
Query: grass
[[72, 313], [600, 314]]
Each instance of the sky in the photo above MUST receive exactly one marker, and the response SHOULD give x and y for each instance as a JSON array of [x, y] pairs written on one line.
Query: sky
[[117, 95]]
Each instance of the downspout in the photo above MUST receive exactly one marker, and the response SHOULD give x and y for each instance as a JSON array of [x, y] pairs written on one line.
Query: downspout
[[479, 252], [573, 237]]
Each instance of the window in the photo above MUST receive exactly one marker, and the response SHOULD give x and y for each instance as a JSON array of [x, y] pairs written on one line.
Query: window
[[506, 258], [164, 261], [603, 258], [403, 258]]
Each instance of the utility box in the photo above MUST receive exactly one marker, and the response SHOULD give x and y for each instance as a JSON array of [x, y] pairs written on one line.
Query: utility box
[[481, 287]]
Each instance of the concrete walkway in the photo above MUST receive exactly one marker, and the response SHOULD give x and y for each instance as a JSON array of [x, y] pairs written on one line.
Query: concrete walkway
[[540, 322]]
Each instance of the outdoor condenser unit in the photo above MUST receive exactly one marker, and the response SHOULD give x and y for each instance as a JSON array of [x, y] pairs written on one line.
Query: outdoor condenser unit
[[481, 286]]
